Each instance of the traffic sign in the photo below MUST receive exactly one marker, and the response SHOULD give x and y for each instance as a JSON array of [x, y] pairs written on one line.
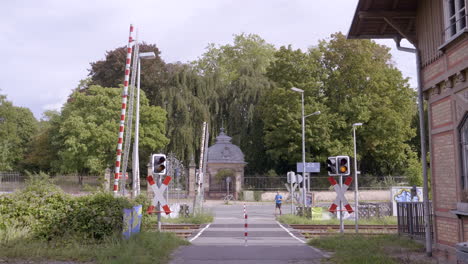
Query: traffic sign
[[309, 167], [158, 194], [340, 191], [293, 178]]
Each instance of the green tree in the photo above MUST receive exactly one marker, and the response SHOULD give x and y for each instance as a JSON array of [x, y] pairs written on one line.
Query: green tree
[[348, 81], [86, 133], [41, 153], [240, 70], [364, 86], [17, 127]]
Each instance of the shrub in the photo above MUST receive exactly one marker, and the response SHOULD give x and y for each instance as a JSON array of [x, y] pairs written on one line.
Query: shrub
[[37, 206], [96, 216], [49, 212]]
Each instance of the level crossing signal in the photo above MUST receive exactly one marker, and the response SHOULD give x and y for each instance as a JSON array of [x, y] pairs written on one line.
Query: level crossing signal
[[331, 166], [159, 164], [343, 165]]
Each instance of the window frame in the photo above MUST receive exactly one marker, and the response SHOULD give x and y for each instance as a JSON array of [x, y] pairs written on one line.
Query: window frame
[[459, 16], [463, 141]]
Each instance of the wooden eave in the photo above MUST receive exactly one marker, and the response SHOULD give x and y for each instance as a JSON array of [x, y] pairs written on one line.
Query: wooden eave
[[376, 19]]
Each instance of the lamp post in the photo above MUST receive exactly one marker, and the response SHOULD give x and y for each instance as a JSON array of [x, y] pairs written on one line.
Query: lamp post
[[303, 143], [356, 203], [308, 178], [136, 165]]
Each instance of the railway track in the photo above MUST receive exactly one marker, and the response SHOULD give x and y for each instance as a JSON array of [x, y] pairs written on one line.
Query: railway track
[[180, 230], [337, 227], [309, 231]]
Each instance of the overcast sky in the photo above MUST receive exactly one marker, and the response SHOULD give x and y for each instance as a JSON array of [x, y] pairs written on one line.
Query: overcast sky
[[47, 45]]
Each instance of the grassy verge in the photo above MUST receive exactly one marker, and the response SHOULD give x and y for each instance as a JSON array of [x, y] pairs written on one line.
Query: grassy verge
[[382, 249], [147, 247], [201, 218], [294, 219]]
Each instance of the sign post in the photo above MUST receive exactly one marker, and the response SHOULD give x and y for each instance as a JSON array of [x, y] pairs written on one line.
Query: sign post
[[158, 198], [310, 167], [340, 197]]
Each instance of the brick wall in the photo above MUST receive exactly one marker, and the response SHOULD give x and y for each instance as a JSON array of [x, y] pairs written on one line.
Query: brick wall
[[441, 113], [444, 179], [447, 230]]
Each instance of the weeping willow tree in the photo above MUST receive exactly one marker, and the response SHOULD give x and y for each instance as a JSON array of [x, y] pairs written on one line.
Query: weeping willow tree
[[240, 84]]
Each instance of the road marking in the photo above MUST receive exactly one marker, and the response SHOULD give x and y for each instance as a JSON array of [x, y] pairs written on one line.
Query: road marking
[[316, 250], [285, 229], [199, 233]]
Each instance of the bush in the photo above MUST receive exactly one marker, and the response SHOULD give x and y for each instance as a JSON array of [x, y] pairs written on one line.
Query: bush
[[95, 216], [38, 206], [49, 212]]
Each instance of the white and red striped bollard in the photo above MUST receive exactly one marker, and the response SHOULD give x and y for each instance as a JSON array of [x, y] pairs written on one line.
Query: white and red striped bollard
[[122, 114], [245, 226]]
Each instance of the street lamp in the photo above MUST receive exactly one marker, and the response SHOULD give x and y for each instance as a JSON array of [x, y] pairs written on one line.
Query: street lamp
[[136, 165], [356, 203], [303, 144], [308, 178]]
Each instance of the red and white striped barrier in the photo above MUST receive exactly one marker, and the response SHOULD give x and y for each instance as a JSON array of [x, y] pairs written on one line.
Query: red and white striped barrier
[[122, 114], [159, 194], [340, 191], [245, 226]]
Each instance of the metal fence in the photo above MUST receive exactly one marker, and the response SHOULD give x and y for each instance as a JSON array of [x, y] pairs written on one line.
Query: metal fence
[[321, 183], [372, 210], [264, 183], [411, 219], [70, 183], [11, 181]]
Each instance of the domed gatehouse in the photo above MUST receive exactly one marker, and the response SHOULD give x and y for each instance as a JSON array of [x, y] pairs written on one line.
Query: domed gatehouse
[[224, 160]]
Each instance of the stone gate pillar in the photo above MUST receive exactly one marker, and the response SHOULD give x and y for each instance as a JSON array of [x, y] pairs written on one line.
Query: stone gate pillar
[[191, 178]]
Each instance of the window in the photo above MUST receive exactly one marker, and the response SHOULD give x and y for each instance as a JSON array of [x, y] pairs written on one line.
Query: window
[[455, 17], [464, 152]]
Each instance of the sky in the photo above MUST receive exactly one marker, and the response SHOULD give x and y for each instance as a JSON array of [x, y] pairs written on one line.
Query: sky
[[48, 45]]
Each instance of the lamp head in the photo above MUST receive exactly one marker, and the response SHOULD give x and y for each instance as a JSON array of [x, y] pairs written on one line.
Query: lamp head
[[147, 55], [297, 90]]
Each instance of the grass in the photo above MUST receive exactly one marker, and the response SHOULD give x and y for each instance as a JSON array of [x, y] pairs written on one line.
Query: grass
[[382, 249], [294, 219], [146, 247], [201, 218], [150, 222]]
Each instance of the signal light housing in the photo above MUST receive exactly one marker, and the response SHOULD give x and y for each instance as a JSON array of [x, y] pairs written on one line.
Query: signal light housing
[[331, 166], [159, 164], [343, 165]]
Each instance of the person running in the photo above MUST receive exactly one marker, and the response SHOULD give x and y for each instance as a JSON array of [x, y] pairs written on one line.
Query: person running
[[278, 200]]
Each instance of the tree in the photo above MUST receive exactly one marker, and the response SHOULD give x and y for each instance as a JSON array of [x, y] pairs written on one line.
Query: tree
[[364, 86], [17, 127], [86, 133], [240, 70], [41, 154], [349, 81]]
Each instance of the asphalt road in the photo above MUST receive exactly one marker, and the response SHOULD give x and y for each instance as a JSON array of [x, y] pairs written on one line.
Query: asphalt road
[[268, 241]]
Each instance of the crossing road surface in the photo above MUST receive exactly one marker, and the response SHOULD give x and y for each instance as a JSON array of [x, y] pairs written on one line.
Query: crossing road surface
[[268, 241]]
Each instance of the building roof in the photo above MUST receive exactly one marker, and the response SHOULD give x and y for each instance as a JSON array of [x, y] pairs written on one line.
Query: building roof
[[223, 151], [375, 19]]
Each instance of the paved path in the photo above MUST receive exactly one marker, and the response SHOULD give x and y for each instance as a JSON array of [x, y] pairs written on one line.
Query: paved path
[[268, 241]]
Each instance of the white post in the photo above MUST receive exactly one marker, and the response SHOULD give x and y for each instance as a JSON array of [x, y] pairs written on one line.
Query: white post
[[341, 206], [356, 188], [356, 204], [303, 157], [136, 169]]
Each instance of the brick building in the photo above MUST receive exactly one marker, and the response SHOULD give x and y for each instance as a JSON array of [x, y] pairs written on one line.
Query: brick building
[[438, 30]]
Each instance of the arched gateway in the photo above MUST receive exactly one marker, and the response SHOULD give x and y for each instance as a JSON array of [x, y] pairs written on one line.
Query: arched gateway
[[224, 160]]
